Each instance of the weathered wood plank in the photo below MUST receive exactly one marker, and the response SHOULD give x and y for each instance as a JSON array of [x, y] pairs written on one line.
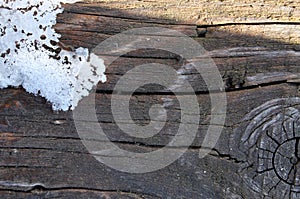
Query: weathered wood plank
[[109, 25], [288, 33], [236, 49], [42, 155], [36, 126], [39, 192], [238, 70], [220, 40], [73, 171], [196, 11], [105, 19]]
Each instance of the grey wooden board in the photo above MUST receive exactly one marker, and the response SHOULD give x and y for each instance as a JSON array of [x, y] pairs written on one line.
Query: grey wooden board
[[42, 155]]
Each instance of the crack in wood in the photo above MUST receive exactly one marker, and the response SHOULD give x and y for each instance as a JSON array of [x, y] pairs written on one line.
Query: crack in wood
[[40, 187], [269, 142], [249, 24]]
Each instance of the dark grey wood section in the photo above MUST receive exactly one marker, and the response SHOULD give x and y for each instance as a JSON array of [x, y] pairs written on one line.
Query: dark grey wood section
[[256, 156]]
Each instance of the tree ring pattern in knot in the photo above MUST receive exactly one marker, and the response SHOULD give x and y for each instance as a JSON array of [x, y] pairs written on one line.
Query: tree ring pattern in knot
[[286, 162], [268, 142]]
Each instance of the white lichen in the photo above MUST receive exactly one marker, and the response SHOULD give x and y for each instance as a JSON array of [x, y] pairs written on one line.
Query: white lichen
[[31, 55]]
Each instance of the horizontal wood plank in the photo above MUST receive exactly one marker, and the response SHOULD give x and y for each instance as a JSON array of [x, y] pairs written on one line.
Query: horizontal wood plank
[[195, 11]]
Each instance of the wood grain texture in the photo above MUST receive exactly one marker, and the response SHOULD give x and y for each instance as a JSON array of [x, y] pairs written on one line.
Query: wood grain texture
[[42, 154], [202, 11], [254, 45]]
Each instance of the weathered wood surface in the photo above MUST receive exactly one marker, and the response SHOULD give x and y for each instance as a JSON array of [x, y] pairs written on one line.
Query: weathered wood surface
[[42, 155], [240, 51], [202, 12], [41, 158]]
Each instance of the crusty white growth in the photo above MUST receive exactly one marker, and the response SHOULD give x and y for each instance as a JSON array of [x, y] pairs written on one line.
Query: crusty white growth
[[30, 54]]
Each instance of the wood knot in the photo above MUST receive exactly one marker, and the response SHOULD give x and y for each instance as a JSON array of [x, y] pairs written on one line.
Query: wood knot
[[268, 140]]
